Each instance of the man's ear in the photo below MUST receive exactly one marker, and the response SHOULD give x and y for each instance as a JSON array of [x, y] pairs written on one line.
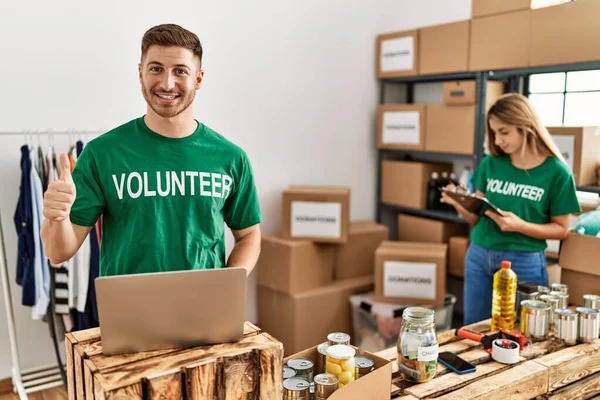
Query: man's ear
[[140, 72], [199, 79]]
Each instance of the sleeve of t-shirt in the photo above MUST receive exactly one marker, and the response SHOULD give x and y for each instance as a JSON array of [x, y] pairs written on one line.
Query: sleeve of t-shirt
[[563, 193], [242, 209], [89, 200], [479, 178]]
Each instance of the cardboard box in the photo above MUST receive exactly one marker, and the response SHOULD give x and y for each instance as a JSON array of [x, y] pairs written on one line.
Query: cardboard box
[[450, 129], [554, 273], [580, 253], [405, 183], [444, 48], [302, 320], [401, 126], [317, 213], [566, 33], [293, 266], [410, 273], [357, 257], [500, 41], [398, 54], [580, 284], [482, 8], [425, 230], [581, 148], [464, 93], [457, 249], [373, 386]]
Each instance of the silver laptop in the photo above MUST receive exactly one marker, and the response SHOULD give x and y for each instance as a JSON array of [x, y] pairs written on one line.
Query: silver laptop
[[153, 311]]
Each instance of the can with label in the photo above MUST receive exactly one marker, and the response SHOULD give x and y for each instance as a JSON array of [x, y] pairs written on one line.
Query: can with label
[[559, 287], [552, 301], [325, 385], [303, 367], [338, 338], [288, 373], [535, 319], [321, 356], [364, 365], [589, 321], [591, 301], [566, 326], [296, 389]]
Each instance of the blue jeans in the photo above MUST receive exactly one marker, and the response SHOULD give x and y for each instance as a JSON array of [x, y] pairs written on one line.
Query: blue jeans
[[480, 266]]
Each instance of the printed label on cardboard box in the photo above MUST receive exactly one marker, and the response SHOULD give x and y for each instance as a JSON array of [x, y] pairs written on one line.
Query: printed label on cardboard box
[[317, 219], [398, 54], [409, 279], [401, 127], [566, 145]]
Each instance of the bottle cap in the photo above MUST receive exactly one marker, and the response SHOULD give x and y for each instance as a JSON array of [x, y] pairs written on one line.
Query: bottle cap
[[340, 351], [506, 264]]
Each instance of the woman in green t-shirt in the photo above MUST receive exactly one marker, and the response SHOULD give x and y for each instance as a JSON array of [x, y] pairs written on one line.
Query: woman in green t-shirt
[[527, 178]]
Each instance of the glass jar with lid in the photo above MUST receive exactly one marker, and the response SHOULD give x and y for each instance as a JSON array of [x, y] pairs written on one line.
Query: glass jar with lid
[[340, 362], [417, 344]]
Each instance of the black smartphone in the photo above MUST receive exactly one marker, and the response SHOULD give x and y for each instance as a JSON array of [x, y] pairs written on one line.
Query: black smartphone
[[455, 363]]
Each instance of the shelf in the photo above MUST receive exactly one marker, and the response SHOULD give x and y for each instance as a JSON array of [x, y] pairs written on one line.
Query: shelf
[[447, 216], [422, 153], [432, 78], [544, 69], [593, 189]]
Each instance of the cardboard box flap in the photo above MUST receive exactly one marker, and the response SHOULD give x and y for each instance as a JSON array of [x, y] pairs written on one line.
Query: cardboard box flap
[[390, 248], [373, 386], [278, 240], [580, 253], [351, 283], [313, 189], [366, 225]]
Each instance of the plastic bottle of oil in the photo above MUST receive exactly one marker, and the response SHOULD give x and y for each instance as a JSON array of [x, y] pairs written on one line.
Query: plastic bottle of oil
[[504, 298]]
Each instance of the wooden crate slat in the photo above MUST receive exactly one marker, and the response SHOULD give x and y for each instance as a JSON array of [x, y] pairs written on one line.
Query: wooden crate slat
[[524, 381], [238, 376], [88, 377], [165, 385], [271, 371], [583, 389], [538, 349], [133, 392], [79, 377], [200, 381], [85, 335], [571, 364], [69, 349]]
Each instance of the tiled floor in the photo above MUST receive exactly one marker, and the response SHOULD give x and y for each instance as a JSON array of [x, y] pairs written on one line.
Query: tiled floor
[[58, 393]]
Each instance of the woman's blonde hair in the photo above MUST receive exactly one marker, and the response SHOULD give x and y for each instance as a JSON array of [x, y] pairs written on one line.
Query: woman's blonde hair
[[516, 109]]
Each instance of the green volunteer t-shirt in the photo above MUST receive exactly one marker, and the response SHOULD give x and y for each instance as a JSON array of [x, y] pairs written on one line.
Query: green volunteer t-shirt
[[535, 195], [164, 202]]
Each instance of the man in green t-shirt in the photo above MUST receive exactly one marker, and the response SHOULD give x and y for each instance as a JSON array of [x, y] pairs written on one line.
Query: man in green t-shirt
[[165, 184]]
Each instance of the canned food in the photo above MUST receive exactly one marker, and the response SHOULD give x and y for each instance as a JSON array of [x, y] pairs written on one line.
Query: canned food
[[325, 385], [535, 319], [559, 287], [288, 373], [321, 356], [588, 324], [341, 363], [552, 301], [338, 338], [566, 325], [296, 389], [563, 297], [303, 367], [543, 290], [364, 365], [591, 301]]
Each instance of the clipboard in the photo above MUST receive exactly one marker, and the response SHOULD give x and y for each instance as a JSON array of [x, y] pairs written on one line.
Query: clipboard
[[470, 201]]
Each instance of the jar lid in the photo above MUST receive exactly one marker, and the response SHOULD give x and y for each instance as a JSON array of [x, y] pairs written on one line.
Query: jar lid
[[300, 364], [340, 351], [296, 386], [418, 313]]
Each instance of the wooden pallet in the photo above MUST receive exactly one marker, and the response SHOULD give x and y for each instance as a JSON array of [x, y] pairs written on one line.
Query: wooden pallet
[[547, 370], [251, 368]]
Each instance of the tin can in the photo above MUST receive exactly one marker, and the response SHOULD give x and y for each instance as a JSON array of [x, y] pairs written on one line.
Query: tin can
[[296, 389], [338, 338], [552, 301], [325, 385], [364, 365], [535, 319], [525, 291], [589, 319], [563, 297], [321, 357], [303, 367], [543, 290], [591, 301], [566, 325], [288, 373], [559, 287]]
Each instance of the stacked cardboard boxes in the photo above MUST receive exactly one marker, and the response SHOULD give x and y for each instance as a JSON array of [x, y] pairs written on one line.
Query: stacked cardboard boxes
[[578, 259], [307, 273]]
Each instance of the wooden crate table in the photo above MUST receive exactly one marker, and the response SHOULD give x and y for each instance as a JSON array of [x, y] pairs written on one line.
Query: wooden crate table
[[248, 369], [547, 370]]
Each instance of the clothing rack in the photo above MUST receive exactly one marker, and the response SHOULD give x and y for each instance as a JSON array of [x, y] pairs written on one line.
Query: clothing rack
[[49, 376]]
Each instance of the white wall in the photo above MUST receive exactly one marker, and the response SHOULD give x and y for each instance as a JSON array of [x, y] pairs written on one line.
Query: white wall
[[291, 82]]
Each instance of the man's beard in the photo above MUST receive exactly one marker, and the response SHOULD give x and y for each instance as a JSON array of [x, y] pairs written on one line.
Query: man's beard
[[168, 112]]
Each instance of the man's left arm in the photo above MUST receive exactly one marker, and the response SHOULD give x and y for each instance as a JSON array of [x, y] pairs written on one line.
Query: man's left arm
[[246, 249]]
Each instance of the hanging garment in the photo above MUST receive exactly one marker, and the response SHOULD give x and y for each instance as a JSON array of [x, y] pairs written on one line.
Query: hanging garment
[[23, 220], [41, 272], [89, 317]]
